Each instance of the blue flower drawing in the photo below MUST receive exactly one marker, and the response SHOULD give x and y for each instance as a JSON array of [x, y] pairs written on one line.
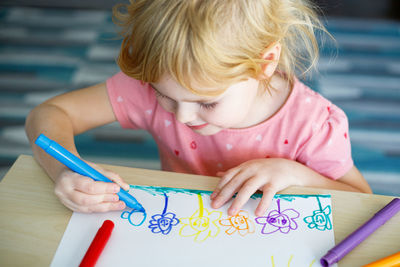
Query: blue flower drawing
[[163, 223]]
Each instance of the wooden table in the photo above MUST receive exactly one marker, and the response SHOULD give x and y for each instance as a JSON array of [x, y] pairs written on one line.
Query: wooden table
[[32, 220]]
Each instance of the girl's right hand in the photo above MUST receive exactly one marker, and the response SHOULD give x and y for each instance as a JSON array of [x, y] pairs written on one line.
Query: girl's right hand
[[83, 194]]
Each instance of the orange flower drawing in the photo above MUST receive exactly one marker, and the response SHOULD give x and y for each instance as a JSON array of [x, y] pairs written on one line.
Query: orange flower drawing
[[238, 223]]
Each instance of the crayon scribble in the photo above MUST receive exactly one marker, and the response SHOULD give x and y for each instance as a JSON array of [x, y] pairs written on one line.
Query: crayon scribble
[[320, 219], [290, 260], [276, 220], [162, 223], [135, 217], [202, 224], [272, 261], [239, 222]]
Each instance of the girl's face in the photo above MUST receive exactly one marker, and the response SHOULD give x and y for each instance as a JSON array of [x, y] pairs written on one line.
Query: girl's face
[[237, 107]]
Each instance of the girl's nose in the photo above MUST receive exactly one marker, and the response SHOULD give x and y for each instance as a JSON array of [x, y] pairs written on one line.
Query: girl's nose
[[185, 112]]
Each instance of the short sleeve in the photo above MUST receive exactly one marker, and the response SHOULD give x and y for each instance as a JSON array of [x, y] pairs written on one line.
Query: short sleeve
[[328, 151], [131, 101]]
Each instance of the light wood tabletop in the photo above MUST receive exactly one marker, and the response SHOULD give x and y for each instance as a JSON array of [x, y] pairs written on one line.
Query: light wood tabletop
[[33, 221]]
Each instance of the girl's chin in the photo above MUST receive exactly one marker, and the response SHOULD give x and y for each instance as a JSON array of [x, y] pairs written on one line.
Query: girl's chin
[[209, 130]]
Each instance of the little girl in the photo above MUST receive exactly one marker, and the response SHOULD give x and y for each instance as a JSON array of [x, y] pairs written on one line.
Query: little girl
[[214, 83]]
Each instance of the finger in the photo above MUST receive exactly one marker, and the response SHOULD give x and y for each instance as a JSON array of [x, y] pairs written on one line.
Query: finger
[[99, 207], [105, 206], [244, 194], [108, 206], [82, 199], [229, 190], [111, 175], [266, 200], [227, 176], [91, 187], [117, 179]]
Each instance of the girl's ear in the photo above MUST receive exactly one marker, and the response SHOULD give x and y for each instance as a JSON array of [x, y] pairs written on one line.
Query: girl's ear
[[271, 53]]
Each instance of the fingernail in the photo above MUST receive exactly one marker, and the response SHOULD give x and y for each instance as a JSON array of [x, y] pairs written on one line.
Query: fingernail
[[116, 188], [121, 205], [258, 213], [232, 212], [215, 204], [115, 198]]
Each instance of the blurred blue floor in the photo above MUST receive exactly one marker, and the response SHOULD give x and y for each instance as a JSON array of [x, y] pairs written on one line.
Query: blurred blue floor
[[44, 52]]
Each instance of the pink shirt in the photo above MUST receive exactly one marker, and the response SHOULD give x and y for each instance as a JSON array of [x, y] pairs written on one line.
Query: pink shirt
[[308, 129]]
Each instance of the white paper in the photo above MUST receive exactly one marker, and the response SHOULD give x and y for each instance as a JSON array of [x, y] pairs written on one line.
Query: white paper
[[296, 230]]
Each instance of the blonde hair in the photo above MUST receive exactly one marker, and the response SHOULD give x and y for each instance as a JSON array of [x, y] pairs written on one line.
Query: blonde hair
[[214, 43]]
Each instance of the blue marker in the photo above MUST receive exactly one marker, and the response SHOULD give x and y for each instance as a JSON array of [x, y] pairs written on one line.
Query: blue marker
[[81, 167]]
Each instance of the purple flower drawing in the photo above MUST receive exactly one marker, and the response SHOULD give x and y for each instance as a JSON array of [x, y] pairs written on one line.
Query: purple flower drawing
[[278, 220]]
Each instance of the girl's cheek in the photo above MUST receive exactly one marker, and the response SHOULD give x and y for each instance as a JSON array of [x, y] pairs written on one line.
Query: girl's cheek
[[214, 116]]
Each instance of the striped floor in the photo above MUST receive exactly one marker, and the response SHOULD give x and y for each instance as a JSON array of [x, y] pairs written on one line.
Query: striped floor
[[44, 52]]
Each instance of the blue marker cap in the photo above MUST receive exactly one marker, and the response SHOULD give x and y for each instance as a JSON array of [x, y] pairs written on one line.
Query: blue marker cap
[[81, 167]]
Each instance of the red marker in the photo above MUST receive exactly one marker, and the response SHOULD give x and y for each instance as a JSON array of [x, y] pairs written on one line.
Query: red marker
[[98, 244]]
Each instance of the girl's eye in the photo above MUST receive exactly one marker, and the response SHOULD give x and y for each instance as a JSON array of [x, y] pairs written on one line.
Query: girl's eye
[[208, 105]]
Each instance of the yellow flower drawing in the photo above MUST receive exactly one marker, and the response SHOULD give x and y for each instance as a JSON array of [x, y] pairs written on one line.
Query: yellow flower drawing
[[202, 224]]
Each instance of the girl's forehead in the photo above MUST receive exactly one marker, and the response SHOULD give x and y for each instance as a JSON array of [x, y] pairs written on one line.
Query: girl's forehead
[[168, 79], [198, 91]]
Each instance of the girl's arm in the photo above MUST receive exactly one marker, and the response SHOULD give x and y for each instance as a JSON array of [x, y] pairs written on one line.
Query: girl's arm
[[273, 175], [61, 118], [353, 180]]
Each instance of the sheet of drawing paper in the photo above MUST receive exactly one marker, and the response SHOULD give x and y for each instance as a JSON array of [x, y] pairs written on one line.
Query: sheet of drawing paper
[[179, 227]]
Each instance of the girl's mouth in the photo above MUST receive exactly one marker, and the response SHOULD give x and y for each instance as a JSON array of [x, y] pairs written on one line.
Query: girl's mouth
[[198, 127]]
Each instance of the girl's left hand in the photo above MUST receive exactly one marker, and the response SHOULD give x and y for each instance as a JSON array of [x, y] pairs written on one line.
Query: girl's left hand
[[268, 175]]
